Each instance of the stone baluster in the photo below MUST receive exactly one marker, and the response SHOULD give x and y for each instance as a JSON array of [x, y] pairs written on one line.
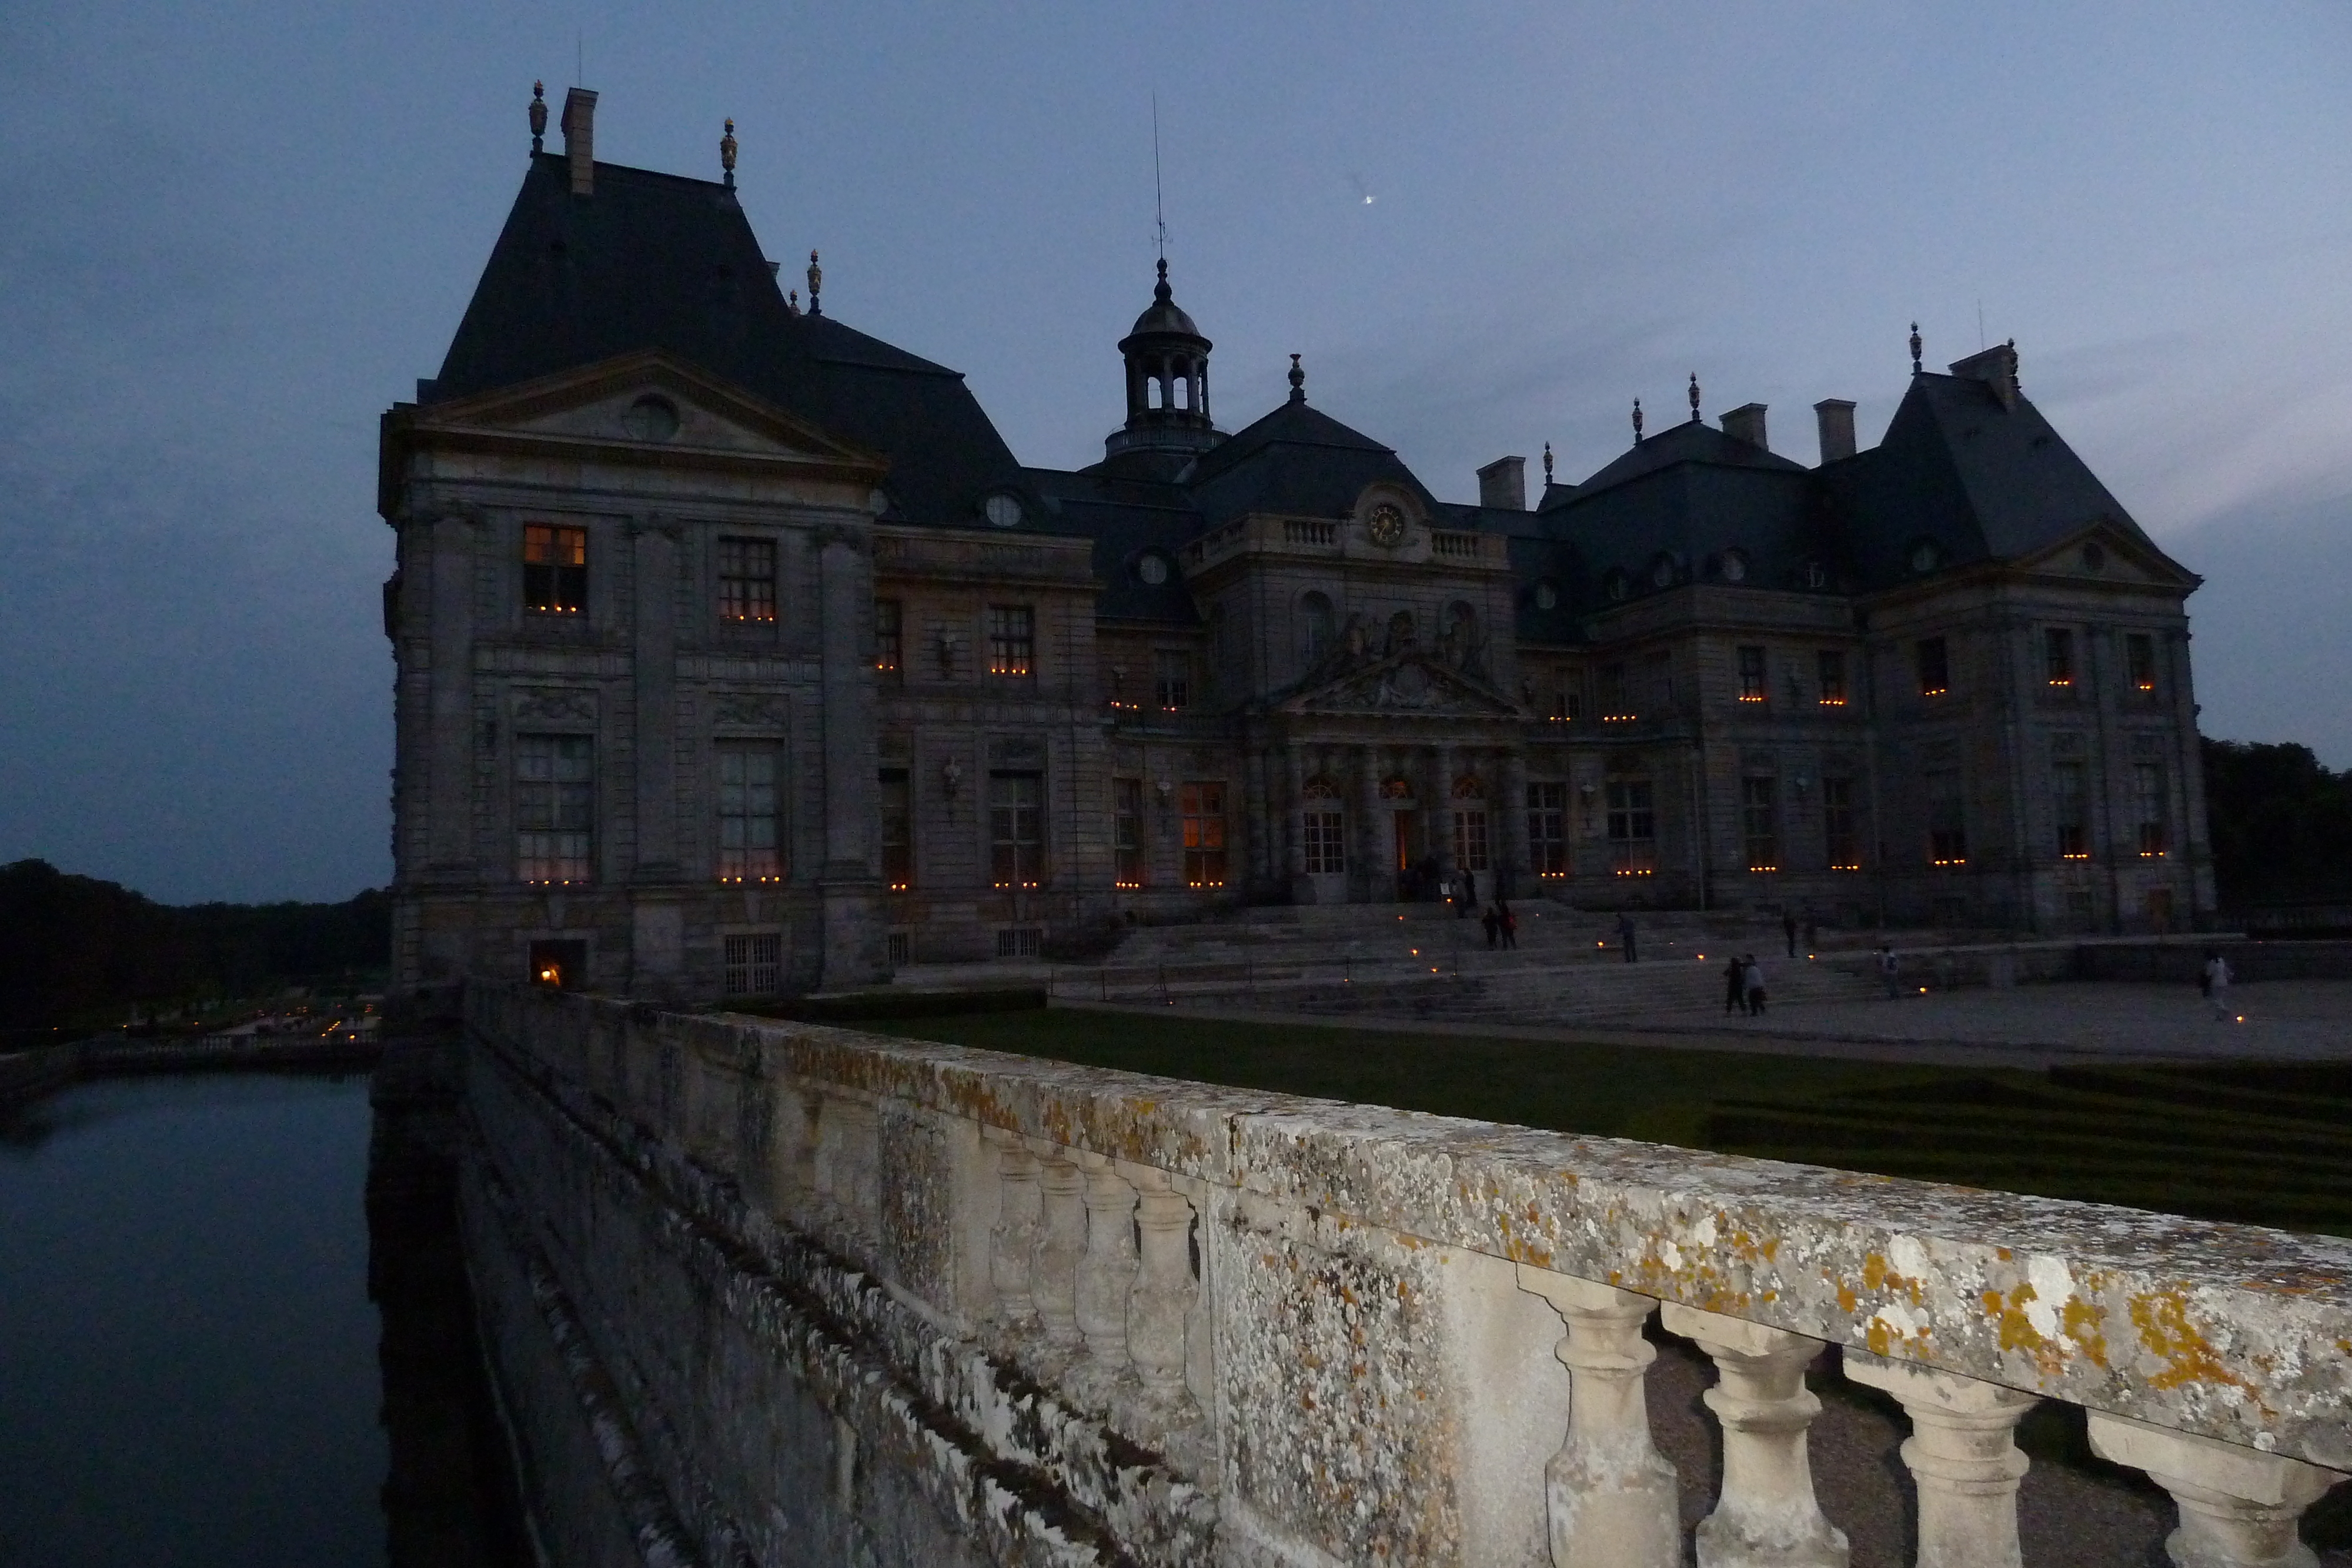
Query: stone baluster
[[1766, 1516], [1162, 1297], [1609, 1493], [2238, 1507], [1061, 1242], [1106, 1274], [1012, 1240], [1963, 1458]]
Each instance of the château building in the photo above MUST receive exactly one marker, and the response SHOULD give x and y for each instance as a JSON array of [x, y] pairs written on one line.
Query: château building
[[736, 654]]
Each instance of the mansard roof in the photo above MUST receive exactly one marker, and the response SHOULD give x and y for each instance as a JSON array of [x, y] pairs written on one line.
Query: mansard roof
[[1981, 479], [1127, 518], [1297, 461], [658, 261]]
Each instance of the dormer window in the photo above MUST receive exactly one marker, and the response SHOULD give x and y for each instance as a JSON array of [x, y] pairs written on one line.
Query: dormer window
[[1735, 566], [1002, 510]]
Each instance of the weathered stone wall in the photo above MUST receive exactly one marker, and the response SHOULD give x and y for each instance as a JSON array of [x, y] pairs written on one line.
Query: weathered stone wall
[[828, 1297]]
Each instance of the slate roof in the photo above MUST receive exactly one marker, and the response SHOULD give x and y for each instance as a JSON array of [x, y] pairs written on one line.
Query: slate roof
[[658, 261], [1297, 460]]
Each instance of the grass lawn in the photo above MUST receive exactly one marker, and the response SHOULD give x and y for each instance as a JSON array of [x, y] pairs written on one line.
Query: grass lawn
[[2266, 1144]]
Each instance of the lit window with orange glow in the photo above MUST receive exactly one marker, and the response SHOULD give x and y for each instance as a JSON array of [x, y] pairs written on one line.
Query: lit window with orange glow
[[747, 580], [1838, 825], [2058, 655], [1016, 828], [890, 636], [1548, 828], [1205, 834], [554, 801], [2139, 661], [1752, 686], [1829, 673], [2070, 806], [1935, 661], [1127, 834], [1633, 828], [1012, 641], [898, 830], [2149, 794], [554, 569], [750, 842]]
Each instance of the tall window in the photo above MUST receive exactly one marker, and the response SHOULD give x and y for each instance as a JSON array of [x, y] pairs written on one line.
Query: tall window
[[554, 806], [1204, 835], [1566, 702], [755, 964], [1548, 828], [898, 830], [2070, 804], [554, 569], [1838, 824], [747, 580], [1751, 674], [1759, 824], [890, 635], [1326, 825], [1947, 832], [1613, 703], [1016, 828], [2148, 790], [2139, 660], [1660, 669], [1012, 640], [2058, 655], [1633, 829], [1126, 832], [748, 841], [1313, 628], [1171, 679], [1829, 669], [1934, 668]]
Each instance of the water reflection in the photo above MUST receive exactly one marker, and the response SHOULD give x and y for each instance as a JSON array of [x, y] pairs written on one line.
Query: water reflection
[[192, 1370]]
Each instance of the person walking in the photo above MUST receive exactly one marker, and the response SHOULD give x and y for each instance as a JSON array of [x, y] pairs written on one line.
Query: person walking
[[1753, 974], [1510, 923], [1469, 890], [1494, 925], [2217, 984], [1735, 985], [1625, 936], [1887, 967], [1788, 929]]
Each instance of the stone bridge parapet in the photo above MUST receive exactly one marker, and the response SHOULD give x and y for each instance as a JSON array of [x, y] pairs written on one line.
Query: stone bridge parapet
[[825, 1296]]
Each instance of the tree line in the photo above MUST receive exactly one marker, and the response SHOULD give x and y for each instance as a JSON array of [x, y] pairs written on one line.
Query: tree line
[[2281, 822], [76, 951]]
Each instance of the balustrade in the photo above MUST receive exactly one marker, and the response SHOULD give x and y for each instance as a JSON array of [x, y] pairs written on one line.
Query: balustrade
[[1274, 1295]]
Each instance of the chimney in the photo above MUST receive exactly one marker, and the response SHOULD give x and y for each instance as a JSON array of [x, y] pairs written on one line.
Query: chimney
[[579, 139], [1503, 485], [1996, 367], [1835, 415], [1746, 424]]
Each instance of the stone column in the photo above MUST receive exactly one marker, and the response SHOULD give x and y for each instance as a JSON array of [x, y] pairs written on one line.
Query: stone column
[[1163, 1295], [1441, 811], [1105, 1276], [1963, 1459], [1257, 818], [1766, 1516], [1518, 874], [1061, 1242], [851, 891], [654, 666], [1294, 773], [2238, 1507], [449, 682], [1012, 1240], [1374, 851], [1609, 1494]]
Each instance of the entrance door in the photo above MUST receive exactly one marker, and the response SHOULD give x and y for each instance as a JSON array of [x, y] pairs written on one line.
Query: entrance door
[[2159, 909]]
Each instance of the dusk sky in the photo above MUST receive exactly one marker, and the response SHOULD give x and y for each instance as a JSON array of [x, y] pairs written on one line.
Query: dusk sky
[[231, 236]]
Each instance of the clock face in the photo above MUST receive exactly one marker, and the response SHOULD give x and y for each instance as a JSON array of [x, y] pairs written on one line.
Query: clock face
[[1152, 569], [1387, 524]]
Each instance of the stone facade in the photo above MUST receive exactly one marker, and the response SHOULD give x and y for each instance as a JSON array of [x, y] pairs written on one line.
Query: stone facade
[[737, 654]]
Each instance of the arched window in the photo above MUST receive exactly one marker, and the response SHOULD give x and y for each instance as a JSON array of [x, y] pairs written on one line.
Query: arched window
[[1313, 627], [1468, 787], [1325, 827]]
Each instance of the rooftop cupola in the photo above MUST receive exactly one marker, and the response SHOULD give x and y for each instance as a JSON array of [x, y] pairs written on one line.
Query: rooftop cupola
[[1167, 381]]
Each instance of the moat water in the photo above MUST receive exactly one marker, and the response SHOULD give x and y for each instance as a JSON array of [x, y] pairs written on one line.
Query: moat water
[[193, 1367]]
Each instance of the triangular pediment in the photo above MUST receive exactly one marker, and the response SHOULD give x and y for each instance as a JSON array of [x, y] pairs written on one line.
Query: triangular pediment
[[1410, 684], [2103, 551], [647, 402]]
